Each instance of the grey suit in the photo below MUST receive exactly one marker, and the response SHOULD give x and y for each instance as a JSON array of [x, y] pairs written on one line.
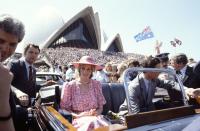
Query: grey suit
[[141, 99]]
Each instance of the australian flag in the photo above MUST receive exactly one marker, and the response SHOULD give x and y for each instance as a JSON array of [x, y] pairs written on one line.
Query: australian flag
[[145, 34]]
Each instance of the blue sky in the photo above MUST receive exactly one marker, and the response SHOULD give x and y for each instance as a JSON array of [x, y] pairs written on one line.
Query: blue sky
[[167, 18]]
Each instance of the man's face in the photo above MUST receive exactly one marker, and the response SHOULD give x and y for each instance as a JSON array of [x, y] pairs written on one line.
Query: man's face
[[176, 66], [31, 55], [8, 44]]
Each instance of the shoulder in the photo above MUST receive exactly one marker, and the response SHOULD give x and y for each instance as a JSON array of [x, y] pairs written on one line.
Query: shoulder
[[189, 68], [137, 80], [14, 62], [70, 84], [13, 65], [95, 82], [134, 87]]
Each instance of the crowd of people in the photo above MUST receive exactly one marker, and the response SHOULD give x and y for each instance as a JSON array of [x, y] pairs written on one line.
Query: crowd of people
[[85, 70], [56, 55]]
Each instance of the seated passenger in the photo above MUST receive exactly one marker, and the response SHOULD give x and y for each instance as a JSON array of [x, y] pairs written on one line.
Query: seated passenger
[[142, 88], [83, 96]]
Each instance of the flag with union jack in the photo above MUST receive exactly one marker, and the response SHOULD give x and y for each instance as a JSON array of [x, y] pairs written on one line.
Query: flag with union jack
[[145, 34]]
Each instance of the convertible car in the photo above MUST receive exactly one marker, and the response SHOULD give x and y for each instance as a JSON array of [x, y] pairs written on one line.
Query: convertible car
[[170, 114]]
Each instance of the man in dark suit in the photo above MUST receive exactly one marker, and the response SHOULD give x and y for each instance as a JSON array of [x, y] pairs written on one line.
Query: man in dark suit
[[185, 72], [24, 74], [24, 80], [197, 75], [11, 33], [142, 89]]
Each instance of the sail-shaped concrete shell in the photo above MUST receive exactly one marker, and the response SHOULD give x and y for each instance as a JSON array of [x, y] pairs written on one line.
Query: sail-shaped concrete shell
[[81, 31], [113, 44]]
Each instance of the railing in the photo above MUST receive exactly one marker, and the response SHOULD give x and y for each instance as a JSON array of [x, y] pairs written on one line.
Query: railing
[[139, 69]]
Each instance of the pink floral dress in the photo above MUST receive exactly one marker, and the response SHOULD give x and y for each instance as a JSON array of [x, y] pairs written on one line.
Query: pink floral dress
[[74, 100]]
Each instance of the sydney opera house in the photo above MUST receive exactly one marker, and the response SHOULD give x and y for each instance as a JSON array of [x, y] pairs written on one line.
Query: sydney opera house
[[83, 31]]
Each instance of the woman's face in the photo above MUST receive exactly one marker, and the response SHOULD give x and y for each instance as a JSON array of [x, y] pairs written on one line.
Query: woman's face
[[86, 71]]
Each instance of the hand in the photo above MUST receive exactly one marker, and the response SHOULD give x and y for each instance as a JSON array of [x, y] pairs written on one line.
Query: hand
[[5, 81], [50, 82], [189, 93], [196, 92], [93, 112], [23, 98]]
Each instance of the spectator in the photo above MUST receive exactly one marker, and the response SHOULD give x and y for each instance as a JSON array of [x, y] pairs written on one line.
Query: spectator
[[164, 59], [70, 73], [120, 70], [191, 62], [101, 76]]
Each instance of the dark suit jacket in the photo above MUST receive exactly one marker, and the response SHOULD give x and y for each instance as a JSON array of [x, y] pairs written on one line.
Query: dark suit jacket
[[20, 79], [189, 79], [140, 100], [197, 75]]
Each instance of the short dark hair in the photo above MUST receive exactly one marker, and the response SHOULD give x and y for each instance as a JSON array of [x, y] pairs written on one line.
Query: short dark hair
[[31, 45], [150, 62], [180, 58], [135, 63], [12, 26]]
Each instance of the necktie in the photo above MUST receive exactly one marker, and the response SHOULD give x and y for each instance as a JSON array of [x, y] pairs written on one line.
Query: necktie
[[178, 72], [30, 73], [147, 89]]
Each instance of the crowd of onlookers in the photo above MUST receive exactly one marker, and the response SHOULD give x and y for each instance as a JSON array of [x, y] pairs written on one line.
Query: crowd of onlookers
[[113, 63], [65, 55]]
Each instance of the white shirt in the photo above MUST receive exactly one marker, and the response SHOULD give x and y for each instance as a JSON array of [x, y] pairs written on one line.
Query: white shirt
[[101, 76], [146, 82], [183, 70], [27, 66]]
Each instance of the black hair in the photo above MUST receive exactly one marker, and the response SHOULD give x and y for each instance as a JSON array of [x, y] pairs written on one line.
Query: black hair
[[150, 62], [31, 45], [180, 58], [12, 26]]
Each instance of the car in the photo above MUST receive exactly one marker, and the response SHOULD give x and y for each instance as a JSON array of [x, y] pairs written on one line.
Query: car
[[42, 77], [174, 117]]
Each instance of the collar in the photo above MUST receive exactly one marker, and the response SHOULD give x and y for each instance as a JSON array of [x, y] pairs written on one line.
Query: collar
[[183, 70], [27, 64], [146, 81]]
